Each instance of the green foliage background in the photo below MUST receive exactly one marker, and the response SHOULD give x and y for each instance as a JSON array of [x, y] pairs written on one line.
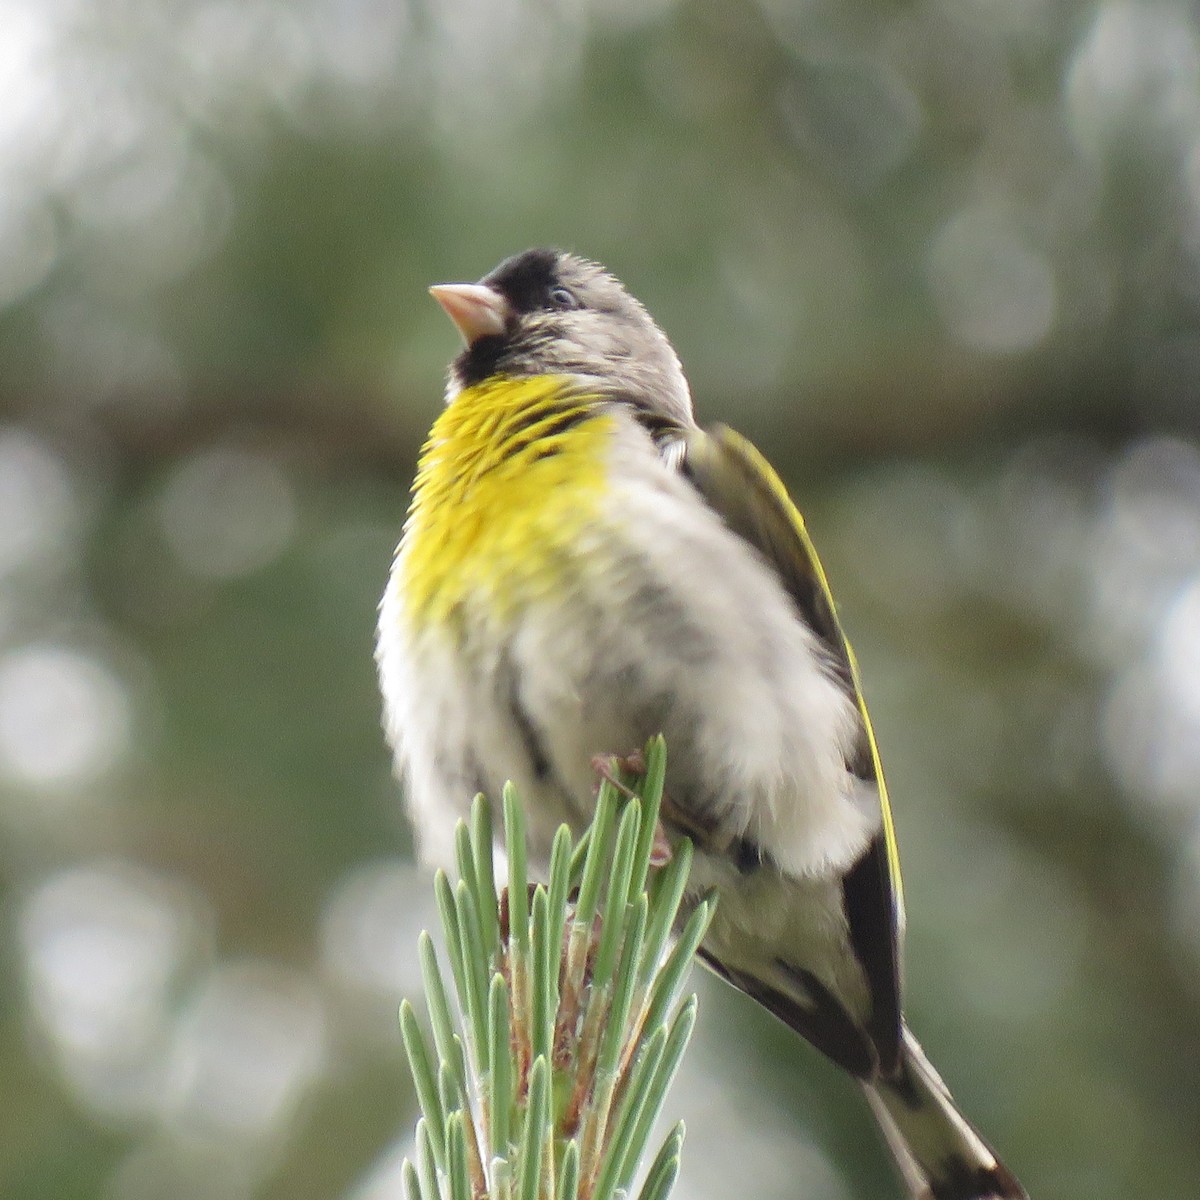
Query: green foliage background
[[940, 259]]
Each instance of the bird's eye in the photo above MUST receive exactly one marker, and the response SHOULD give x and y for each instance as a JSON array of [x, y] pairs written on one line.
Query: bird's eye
[[562, 297]]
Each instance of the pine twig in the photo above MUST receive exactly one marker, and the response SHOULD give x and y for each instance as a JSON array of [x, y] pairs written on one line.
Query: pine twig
[[546, 1081]]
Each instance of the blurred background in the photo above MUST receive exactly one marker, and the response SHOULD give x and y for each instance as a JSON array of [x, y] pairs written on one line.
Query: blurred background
[[940, 258]]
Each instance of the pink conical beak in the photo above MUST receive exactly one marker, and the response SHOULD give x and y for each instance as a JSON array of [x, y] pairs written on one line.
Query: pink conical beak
[[477, 310]]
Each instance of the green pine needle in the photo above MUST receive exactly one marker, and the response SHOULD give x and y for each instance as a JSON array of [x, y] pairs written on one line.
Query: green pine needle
[[661, 1176], [545, 1083]]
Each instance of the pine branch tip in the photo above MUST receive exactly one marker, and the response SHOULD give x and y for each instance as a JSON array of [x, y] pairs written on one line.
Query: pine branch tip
[[568, 1033]]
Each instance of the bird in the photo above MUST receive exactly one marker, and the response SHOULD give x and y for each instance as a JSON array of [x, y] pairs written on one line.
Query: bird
[[582, 567]]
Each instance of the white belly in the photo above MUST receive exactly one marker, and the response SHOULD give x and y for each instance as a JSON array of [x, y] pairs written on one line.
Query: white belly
[[670, 624]]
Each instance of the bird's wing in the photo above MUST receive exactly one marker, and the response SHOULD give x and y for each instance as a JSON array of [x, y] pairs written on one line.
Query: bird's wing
[[740, 485]]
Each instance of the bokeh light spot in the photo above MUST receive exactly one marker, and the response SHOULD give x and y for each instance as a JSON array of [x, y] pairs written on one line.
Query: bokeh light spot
[[228, 511], [1179, 654], [65, 716], [725, 1106], [1145, 544], [103, 946], [36, 497], [1137, 70], [370, 926], [1152, 718], [27, 78], [246, 1051], [995, 292]]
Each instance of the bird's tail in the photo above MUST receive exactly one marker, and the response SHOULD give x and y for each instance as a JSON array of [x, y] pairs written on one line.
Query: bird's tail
[[939, 1153]]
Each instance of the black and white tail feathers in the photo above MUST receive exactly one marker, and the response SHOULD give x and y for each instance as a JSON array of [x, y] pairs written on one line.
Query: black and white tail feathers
[[940, 1155]]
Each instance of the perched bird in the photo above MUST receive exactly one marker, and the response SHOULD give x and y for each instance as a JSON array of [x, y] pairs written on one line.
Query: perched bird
[[583, 567]]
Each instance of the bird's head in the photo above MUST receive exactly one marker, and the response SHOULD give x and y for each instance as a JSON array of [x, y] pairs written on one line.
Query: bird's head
[[549, 312]]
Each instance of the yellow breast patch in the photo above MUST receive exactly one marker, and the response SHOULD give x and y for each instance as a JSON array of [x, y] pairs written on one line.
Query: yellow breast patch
[[511, 476]]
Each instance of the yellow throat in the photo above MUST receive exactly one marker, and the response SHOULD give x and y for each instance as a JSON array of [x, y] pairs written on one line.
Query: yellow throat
[[512, 473]]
